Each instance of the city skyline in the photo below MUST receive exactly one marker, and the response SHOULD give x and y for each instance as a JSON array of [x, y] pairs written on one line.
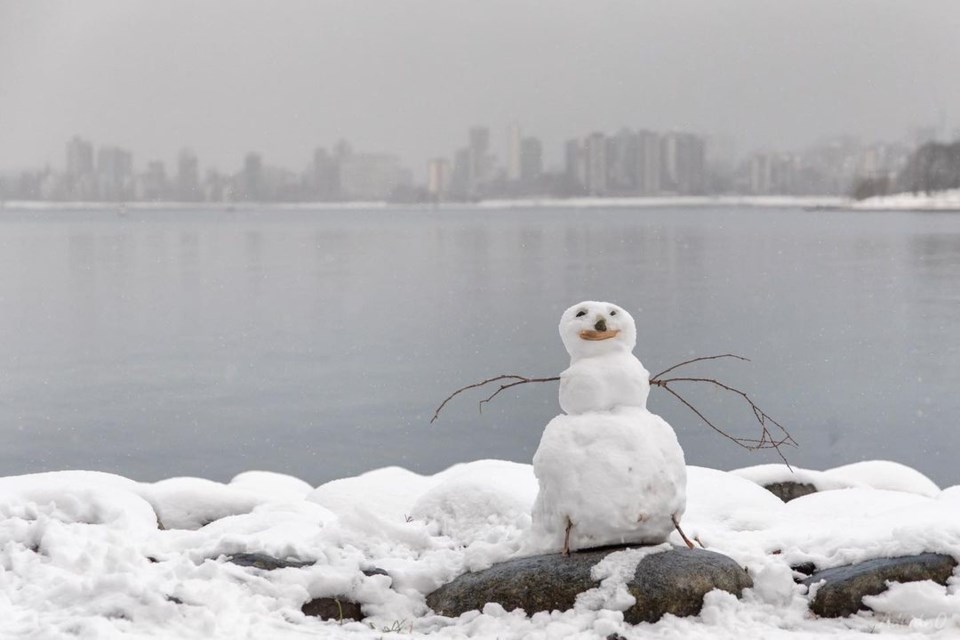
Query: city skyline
[[626, 162], [225, 78]]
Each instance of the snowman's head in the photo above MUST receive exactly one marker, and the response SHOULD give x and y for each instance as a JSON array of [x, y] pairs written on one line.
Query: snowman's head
[[596, 328]]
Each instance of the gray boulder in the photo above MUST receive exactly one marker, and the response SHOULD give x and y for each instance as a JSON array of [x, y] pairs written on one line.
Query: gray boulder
[[843, 588], [790, 490], [673, 581], [329, 608]]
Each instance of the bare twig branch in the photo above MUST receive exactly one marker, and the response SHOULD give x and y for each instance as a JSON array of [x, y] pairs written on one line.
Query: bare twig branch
[[504, 387], [700, 359], [517, 381], [767, 440]]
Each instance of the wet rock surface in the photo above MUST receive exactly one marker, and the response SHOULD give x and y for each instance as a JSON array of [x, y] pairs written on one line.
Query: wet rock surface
[[333, 609], [673, 581], [843, 588], [265, 562]]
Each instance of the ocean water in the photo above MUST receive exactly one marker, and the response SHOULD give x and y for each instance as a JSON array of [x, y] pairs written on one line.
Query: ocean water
[[319, 342]]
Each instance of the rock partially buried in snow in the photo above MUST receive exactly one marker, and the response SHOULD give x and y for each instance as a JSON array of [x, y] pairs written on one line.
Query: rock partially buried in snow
[[843, 588], [790, 483], [333, 609], [672, 581], [265, 562], [788, 491]]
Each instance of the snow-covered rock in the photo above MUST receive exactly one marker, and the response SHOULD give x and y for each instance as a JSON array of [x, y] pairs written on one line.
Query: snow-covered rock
[[81, 555]]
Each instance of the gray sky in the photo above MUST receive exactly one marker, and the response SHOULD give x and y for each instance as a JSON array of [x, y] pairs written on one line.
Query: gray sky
[[229, 76]]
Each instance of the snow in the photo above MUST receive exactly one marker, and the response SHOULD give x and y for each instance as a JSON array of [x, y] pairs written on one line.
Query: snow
[[884, 474], [948, 200], [619, 476], [764, 474], [877, 474], [81, 555], [630, 202]]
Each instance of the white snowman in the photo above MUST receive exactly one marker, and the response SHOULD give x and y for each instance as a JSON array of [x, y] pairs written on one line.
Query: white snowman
[[610, 472]]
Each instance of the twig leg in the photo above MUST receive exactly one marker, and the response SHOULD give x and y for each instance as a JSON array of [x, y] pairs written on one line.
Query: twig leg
[[676, 523], [566, 539]]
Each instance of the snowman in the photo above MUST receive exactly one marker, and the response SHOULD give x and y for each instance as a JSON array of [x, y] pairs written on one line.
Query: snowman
[[610, 472]]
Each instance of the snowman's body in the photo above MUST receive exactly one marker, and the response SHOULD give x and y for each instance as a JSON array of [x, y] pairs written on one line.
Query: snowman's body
[[610, 472], [604, 383]]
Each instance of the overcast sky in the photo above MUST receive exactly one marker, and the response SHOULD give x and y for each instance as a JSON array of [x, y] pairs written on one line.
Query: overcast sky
[[228, 76]]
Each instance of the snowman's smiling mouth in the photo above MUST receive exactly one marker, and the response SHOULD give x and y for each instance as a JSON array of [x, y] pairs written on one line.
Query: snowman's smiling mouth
[[590, 334]]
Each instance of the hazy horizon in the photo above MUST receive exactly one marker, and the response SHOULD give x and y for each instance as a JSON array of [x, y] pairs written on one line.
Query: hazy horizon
[[225, 78]]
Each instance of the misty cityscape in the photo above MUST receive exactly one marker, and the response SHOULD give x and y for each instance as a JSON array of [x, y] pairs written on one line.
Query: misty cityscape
[[625, 163]]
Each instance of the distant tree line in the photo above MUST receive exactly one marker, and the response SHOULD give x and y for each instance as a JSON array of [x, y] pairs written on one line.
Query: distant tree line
[[935, 166]]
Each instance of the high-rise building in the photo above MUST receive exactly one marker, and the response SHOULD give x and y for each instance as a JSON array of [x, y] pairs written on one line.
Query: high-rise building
[[438, 178], [152, 185], [114, 174], [324, 175], [531, 161], [462, 176], [369, 176], [79, 158], [481, 163], [622, 160], [759, 173], [188, 177], [250, 184], [514, 152], [81, 182], [574, 165], [648, 163], [595, 164], [217, 187], [683, 169]]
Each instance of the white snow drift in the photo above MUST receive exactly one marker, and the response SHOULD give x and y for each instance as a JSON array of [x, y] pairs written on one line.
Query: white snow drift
[[82, 555]]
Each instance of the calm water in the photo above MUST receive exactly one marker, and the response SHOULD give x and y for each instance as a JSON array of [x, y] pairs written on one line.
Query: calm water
[[318, 343]]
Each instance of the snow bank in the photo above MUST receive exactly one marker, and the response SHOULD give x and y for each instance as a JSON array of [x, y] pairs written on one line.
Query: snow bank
[[883, 474], [765, 474], [82, 554], [876, 474], [941, 200]]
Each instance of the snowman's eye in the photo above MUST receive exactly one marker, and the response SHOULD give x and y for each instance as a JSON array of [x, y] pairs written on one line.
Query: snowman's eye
[[581, 313], [613, 313]]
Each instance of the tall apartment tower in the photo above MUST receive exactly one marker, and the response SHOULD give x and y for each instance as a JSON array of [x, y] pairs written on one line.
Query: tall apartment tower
[[648, 163], [683, 166], [188, 177], [622, 160], [573, 164], [514, 152], [251, 187], [79, 157], [81, 177], [114, 174], [439, 173], [595, 164], [480, 161], [531, 161]]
